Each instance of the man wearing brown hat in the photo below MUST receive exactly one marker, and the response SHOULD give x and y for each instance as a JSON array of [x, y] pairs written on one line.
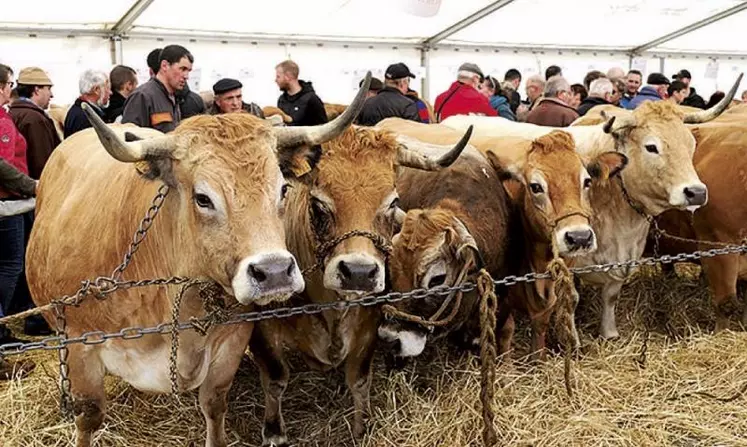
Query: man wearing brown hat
[[30, 117], [229, 99]]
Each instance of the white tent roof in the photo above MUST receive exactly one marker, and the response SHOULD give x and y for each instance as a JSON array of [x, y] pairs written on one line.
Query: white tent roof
[[621, 25]]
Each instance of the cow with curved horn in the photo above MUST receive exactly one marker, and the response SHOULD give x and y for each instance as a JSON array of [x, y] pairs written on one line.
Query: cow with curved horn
[[660, 176], [222, 221], [339, 223]]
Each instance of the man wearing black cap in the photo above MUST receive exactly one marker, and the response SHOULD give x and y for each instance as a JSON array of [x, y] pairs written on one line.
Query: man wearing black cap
[[229, 99], [654, 90], [391, 100], [693, 99]]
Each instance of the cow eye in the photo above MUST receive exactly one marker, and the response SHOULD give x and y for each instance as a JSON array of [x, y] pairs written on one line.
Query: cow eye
[[587, 183], [321, 217], [651, 148], [284, 191], [536, 188], [203, 201], [436, 281]]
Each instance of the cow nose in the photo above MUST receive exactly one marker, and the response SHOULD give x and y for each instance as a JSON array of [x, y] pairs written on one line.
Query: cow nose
[[696, 194], [273, 273], [579, 238], [360, 276]]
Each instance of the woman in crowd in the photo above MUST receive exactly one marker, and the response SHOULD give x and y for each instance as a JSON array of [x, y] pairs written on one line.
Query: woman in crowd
[[491, 88]]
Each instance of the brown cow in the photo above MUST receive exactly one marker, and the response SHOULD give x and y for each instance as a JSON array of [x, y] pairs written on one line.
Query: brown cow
[[353, 188], [221, 221], [545, 179]]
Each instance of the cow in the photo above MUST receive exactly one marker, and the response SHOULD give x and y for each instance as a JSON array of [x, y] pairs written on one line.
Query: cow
[[509, 202], [222, 221], [352, 189], [659, 176]]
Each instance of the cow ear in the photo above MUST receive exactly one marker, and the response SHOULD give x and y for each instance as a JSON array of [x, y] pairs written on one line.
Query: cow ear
[[464, 247], [297, 162], [509, 174], [607, 165], [153, 168]]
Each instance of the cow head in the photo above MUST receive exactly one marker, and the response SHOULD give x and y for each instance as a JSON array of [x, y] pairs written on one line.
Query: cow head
[[434, 248], [550, 182], [660, 148], [230, 175], [353, 189]]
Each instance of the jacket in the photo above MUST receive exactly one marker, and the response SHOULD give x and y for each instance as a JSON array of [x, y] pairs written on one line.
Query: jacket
[[150, 105], [647, 93], [501, 105], [305, 107], [12, 143], [462, 99], [14, 183], [552, 112], [190, 103], [389, 102], [251, 108], [76, 119], [590, 102], [424, 112], [694, 100], [38, 130], [115, 109]]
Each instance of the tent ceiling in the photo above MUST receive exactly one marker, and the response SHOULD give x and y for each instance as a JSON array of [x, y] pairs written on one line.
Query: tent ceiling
[[614, 24]]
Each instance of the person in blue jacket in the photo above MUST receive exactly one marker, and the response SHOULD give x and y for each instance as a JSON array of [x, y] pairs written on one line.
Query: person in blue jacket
[[491, 88], [654, 90]]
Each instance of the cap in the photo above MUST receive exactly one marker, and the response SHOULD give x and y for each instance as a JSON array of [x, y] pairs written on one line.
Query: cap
[[398, 71], [226, 85], [33, 76], [375, 85], [472, 68], [657, 79], [682, 74]]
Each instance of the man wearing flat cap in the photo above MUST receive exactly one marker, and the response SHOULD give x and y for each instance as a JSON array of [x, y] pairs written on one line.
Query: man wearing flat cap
[[229, 99], [391, 100], [30, 117], [463, 97], [654, 90]]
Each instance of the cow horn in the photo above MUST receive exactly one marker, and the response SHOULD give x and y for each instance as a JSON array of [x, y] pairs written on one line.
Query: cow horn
[[413, 159], [120, 149], [615, 123], [315, 135], [709, 114]]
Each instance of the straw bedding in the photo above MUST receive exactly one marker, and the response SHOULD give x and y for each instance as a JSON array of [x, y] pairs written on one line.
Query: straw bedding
[[433, 401]]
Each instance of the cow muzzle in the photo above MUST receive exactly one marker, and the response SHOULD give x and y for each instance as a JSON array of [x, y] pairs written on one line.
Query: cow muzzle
[[575, 240], [689, 196], [356, 273], [267, 277], [402, 342]]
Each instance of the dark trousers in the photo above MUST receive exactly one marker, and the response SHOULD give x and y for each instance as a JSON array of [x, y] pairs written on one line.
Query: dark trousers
[[12, 251]]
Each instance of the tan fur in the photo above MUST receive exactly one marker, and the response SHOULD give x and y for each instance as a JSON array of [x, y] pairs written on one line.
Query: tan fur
[[272, 110], [58, 114], [334, 110]]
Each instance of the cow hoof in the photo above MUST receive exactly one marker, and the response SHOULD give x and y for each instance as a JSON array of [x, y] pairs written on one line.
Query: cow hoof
[[276, 441]]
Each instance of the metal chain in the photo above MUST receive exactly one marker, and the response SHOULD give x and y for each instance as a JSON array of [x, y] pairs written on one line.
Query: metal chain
[[98, 337], [66, 400]]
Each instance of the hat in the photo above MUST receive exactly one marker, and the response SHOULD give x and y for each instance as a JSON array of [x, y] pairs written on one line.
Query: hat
[[682, 74], [472, 68], [375, 85], [398, 71], [226, 85], [33, 76], [657, 79]]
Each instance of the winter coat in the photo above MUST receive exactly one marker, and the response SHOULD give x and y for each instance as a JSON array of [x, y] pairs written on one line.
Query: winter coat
[[590, 102], [116, 107], [503, 107], [76, 119], [694, 100], [305, 107], [38, 130], [462, 99], [552, 112], [389, 102], [647, 93]]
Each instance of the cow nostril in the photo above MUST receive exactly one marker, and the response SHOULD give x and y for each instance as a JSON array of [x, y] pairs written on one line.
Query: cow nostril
[[689, 194], [291, 267], [570, 239], [257, 274], [345, 270], [374, 271]]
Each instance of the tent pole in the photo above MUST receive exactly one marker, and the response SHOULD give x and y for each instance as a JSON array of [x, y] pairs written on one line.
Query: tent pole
[[115, 50], [425, 81]]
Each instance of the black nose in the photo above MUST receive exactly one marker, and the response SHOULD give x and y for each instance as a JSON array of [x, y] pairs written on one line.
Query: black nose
[[579, 238], [696, 195], [274, 273], [358, 276]]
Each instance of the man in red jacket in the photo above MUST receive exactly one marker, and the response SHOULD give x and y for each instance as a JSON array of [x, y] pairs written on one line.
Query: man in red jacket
[[463, 97]]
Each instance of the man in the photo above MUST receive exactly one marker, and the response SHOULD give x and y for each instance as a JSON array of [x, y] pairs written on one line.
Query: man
[[512, 78], [553, 70], [553, 109], [615, 73], [591, 77], [391, 100], [619, 86], [600, 93], [154, 61], [28, 112], [633, 83], [424, 110], [153, 104], [94, 89], [463, 96], [123, 81], [677, 92], [228, 98], [373, 88], [535, 85], [299, 100], [692, 99], [654, 90]]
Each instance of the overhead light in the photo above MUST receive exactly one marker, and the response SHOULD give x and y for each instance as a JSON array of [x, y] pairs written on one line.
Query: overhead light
[[421, 8]]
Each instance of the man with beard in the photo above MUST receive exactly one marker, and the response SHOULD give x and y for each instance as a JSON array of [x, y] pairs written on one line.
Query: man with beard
[[299, 100], [95, 90]]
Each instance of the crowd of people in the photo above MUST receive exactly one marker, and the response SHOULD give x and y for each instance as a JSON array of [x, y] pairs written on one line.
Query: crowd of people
[[28, 135]]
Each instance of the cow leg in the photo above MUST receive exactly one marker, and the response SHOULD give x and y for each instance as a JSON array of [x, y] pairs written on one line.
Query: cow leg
[[506, 334], [722, 273], [87, 388], [608, 326], [214, 389], [540, 324], [274, 375], [358, 376]]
